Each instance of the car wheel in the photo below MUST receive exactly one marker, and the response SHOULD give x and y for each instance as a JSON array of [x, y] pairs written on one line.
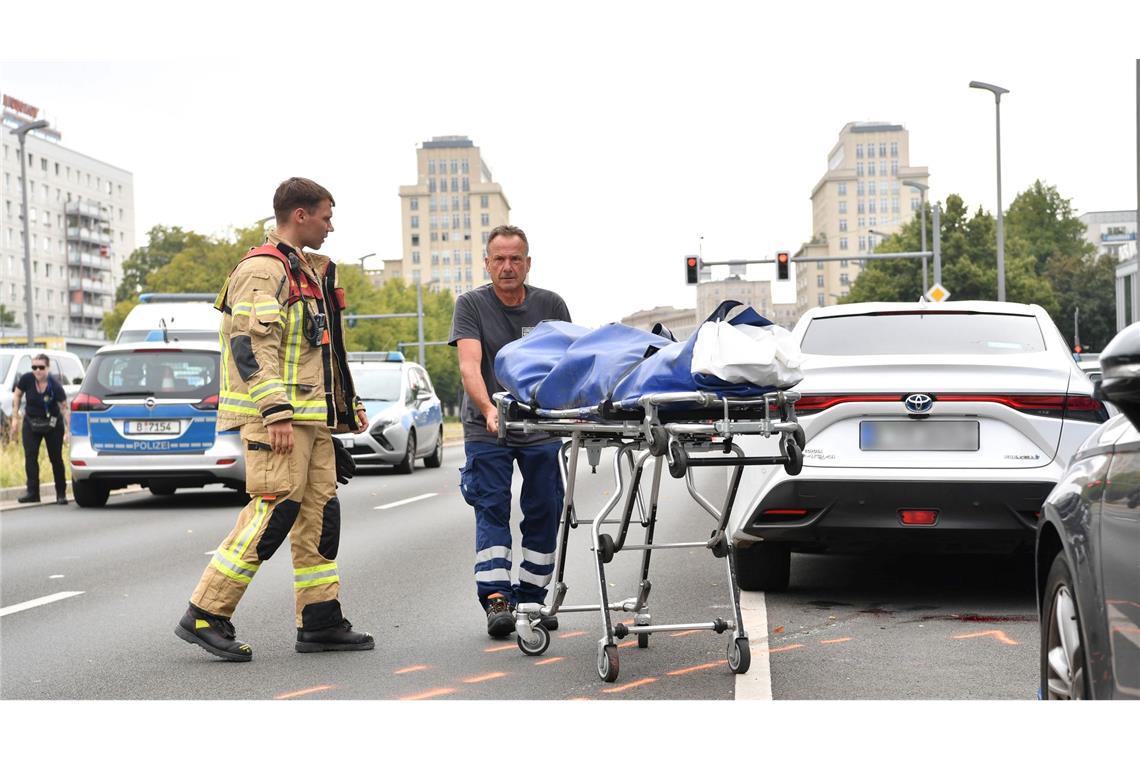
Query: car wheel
[[88, 493], [162, 490], [408, 463], [435, 458], [763, 567], [1063, 668]]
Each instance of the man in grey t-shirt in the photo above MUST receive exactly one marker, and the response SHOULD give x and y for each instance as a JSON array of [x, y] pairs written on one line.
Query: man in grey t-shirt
[[486, 319]]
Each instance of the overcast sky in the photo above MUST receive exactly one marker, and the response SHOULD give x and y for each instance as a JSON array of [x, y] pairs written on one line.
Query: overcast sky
[[621, 132]]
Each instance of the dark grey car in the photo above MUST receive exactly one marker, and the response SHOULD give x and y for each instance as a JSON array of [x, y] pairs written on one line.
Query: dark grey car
[[1088, 549]]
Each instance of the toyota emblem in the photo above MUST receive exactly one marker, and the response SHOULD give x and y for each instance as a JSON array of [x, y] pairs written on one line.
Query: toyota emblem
[[919, 403]]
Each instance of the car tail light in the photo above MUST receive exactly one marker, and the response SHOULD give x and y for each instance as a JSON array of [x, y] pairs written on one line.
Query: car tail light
[[781, 515], [78, 463], [1072, 407], [785, 512], [208, 403], [226, 461], [813, 404], [1085, 409], [85, 402], [918, 516]]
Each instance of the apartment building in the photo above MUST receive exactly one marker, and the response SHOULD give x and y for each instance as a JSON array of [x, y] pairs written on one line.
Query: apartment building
[[861, 198], [80, 225], [447, 216], [1112, 232]]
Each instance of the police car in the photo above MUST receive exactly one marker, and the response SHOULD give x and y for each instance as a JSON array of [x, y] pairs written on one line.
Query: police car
[[145, 414], [405, 417]]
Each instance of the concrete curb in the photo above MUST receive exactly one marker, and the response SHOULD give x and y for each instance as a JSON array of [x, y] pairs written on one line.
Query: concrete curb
[[8, 497]]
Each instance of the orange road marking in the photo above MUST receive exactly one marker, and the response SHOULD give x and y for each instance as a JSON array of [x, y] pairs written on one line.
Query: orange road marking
[[303, 692], [484, 677], [412, 669], [684, 633], [1125, 629], [836, 641], [571, 634], [431, 694], [627, 645], [788, 648], [550, 660], [999, 635], [630, 685], [500, 648], [579, 699], [695, 668]]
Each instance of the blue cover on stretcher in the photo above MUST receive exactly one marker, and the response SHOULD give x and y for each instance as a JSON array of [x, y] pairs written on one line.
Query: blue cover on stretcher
[[563, 366]]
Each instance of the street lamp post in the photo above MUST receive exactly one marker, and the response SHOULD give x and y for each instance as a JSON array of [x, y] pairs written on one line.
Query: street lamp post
[[922, 211], [21, 134], [363, 258], [420, 314], [998, 92]]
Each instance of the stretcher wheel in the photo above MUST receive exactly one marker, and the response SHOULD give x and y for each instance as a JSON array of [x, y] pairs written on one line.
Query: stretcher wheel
[[658, 441], [608, 663], [795, 455], [605, 548], [739, 655], [538, 644], [679, 460], [801, 438], [643, 641]]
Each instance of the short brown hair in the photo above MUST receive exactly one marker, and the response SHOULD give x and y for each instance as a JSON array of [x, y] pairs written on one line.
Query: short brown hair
[[298, 192], [42, 357], [508, 230]]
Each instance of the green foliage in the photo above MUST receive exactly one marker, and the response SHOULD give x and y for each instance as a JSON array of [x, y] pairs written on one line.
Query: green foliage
[[1047, 262], [163, 243], [7, 317]]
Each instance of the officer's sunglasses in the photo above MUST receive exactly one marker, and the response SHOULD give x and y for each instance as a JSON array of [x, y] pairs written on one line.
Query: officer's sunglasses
[[38, 366]]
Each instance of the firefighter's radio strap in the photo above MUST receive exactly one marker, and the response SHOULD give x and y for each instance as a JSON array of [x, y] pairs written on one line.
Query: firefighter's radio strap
[[302, 287]]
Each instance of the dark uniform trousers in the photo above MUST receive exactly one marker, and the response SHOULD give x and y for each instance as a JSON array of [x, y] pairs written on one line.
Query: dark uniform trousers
[[292, 496]]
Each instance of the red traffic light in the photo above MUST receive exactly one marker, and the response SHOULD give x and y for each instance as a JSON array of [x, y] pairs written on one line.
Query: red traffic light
[[782, 265], [692, 269], [782, 258]]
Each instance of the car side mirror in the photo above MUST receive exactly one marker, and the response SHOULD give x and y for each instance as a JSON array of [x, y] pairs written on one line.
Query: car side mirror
[[423, 395], [1120, 373]]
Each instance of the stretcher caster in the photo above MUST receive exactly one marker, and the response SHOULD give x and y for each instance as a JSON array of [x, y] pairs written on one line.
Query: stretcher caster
[[801, 438], [658, 441], [642, 638], [790, 449], [607, 662], [678, 460], [536, 642], [606, 548], [739, 655]]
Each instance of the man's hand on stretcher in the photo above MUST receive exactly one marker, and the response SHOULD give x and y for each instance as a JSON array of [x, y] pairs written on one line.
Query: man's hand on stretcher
[[492, 415]]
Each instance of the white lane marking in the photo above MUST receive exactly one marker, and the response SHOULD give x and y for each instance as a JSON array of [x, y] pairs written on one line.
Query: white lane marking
[[401, 502], [53, 577], [38, 602], [757, 682]]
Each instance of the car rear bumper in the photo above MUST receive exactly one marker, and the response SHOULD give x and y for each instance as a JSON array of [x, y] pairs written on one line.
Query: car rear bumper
[[862, 514], [221, 463]]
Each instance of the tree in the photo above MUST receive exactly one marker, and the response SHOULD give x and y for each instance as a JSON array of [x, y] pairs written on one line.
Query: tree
[[7, 317], [163, 244]]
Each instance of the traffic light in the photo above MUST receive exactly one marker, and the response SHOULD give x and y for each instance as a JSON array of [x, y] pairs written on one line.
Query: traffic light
[[692, 269], [782, 265]]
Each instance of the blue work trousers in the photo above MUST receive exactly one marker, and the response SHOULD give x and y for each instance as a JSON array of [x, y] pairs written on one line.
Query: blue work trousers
[[486, 485]]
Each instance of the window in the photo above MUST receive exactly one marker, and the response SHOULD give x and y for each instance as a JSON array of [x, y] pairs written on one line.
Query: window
[[485, 236], [819, 265], [843, 225], [431, 166], [414, 204], [914, 204], [443, 203], [871, 187], [466, 167], [882, 150], [843, 207], [882, 168], [859, 169], [844, 278], [860, 188], [859, 150], [454, 166], [466, 184], [43, 164], [862, 222], [485, 219], [819, 280], [415, 222], [435, 258], [871, 206], [433, 204], [870, 168], [466, 221], [894, 150], [843, 247], [819, 299], [455, 221], [467, 203], [931, 332], [862, 243], [415, 239], [431, 185], [484, 202], [455, 184], [843, 188], [895, 168]]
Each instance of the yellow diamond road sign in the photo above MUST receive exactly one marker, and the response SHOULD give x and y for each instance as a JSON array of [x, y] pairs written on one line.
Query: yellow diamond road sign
[[937, 293]]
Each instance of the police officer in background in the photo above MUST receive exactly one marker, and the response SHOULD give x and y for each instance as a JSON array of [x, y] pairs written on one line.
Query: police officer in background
[[285, 384], [486, 319]]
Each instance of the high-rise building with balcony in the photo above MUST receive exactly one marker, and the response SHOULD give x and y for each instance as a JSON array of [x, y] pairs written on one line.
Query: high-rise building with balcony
[[448, 215], [80, 224], [862, 193]]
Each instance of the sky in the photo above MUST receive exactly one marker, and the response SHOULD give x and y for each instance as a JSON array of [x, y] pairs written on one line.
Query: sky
[[626, 136]]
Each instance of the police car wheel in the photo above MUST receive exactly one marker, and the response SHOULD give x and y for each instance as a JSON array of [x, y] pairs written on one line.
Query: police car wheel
[[408, 463], [435, 458], [89, 493]]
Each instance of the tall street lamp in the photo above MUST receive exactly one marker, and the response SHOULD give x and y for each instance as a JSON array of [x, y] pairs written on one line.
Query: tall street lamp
[[998, 92], [363, 258], [921, 188], [21, 134], [420, 314]]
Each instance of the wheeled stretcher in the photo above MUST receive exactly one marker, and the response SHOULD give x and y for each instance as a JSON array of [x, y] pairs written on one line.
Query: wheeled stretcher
[[678, 431]]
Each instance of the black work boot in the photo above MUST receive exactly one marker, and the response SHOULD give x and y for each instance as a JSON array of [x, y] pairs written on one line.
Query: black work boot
[[500, 616], [337, 638], [29, 498], [214, 634]]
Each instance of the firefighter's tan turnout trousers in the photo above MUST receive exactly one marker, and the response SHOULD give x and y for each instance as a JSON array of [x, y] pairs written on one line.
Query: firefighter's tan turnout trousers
[[293, 496]]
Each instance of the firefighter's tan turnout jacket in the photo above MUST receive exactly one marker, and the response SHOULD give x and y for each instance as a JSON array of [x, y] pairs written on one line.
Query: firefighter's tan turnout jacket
[[270, 370]]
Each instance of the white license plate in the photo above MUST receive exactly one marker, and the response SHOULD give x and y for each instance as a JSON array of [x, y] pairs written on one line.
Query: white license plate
[[919, 435], [153, 427]]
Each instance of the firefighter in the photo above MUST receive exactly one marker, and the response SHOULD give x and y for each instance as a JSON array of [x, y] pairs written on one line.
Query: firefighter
[[285, 384]]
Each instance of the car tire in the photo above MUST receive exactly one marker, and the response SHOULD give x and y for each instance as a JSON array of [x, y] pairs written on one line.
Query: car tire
[[163, 490], [88, 493], [408, 463], [1064, 671], [763, 567], [435, 458]]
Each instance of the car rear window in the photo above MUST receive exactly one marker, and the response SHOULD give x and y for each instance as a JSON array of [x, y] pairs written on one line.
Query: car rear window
[[161, 373], [377, 382], [137, 336], [943, 332]]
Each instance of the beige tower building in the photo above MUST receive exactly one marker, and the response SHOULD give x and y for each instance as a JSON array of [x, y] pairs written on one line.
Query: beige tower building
[[861, 193], [447, 216]]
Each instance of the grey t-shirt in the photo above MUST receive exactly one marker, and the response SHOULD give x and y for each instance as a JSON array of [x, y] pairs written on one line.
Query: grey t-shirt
[[479, 314]]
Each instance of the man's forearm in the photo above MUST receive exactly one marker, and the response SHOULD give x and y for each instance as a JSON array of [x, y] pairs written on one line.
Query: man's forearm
[[476, 390]]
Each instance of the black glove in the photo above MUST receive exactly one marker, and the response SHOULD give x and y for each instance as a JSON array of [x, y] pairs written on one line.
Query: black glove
[[345, 465]]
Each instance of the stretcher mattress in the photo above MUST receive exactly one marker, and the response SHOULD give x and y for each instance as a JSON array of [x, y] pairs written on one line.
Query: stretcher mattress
[[560, 366]]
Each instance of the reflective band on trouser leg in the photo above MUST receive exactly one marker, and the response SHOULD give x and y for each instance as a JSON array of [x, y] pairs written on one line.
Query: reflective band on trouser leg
[[319, 575], [492, 565], [233, 565], [537, 568]]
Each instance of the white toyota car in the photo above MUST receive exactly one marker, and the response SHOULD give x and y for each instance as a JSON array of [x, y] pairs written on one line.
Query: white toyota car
[[929, 427]]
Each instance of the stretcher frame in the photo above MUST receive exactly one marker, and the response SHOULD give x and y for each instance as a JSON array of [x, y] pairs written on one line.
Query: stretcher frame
[[667, 428]]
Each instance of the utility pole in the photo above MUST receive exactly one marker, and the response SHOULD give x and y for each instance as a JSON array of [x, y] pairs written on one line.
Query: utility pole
[[1077, 329], [21, 134]]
